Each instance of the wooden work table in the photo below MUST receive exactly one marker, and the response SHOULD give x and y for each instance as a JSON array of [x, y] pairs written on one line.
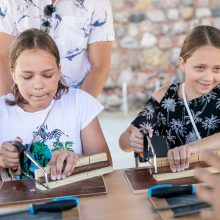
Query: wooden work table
[[120, 203]]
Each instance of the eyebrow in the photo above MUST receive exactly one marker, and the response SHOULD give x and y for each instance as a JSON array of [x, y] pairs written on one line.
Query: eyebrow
[[44, 71]]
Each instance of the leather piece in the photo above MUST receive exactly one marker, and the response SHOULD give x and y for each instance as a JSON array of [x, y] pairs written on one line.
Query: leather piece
[[23, 191], [141, 178]]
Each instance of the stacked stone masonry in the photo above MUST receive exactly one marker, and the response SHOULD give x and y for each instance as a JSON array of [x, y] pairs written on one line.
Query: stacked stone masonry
[[149, 35]]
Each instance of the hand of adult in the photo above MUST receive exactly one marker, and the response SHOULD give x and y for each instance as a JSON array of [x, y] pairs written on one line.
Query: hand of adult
[[205, 194], [62, 164]]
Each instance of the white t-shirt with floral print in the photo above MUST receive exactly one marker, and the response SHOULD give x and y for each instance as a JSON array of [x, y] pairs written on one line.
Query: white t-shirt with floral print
[[68, 116], [74, 25]]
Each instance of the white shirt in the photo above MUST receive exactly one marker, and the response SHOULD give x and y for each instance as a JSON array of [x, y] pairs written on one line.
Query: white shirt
[[68, 116], [74, 25]]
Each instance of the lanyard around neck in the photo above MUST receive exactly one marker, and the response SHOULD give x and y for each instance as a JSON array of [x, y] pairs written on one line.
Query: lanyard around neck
[[189, 112]]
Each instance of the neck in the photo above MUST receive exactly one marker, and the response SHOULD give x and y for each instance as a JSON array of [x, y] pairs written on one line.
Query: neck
[[190, 93]]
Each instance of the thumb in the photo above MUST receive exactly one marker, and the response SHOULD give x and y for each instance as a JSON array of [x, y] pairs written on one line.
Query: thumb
[[19, 139]]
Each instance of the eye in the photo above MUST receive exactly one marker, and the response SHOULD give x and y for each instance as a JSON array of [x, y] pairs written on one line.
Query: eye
[[48, 76], [27, 77], [200, 68], [216, 70]]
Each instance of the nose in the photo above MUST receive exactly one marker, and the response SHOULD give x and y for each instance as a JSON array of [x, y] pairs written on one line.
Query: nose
[[38, 83], [209, 76]]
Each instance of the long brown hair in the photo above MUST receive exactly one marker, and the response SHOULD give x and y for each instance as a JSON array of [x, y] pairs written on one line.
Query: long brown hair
[[33, 39], [200, 36]]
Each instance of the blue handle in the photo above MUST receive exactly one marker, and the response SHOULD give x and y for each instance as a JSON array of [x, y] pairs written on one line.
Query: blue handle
[[152, 188], [168, 190], [55, 205]]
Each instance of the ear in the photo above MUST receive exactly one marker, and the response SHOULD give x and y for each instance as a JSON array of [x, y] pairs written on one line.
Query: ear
[[59, 69], [182, 64], [13, 75]]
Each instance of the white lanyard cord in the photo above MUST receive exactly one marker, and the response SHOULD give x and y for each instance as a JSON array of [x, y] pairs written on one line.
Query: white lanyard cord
[[189, 112]]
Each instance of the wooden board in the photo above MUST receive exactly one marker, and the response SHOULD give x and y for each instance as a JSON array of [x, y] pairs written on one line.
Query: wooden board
[[24, 191], [169, 214], [141, 179], [79, 174], [186, 173]]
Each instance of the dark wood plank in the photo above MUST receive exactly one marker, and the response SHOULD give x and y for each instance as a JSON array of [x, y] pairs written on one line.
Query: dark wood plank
[[140, 179], [23, 191]]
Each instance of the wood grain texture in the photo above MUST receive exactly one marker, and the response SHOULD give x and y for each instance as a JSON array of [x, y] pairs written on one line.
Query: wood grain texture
[[186, 173], [24, 191], [163, 161], [87, 167], [141, 179]]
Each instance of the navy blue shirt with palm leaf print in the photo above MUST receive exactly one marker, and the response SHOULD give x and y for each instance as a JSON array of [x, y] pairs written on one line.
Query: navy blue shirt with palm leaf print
[[170, 118]]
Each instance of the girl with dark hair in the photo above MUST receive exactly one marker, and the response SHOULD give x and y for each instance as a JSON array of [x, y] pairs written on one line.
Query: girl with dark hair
[[56, 124], [184, 112]]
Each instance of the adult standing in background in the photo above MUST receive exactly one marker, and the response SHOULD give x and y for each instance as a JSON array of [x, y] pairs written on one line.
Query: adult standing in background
[[82, 29]]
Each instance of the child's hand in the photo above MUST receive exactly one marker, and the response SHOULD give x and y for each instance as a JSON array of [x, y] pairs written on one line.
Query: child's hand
[[136, 140], [62, 159], [178, 158], [9, 156]]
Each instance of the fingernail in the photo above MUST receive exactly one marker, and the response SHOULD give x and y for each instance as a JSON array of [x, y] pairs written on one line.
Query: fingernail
[[63, 176], [58, 177], [173, 170], [53, 178], [68, 174]]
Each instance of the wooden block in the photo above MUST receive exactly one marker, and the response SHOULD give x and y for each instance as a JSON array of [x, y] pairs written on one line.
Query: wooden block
[[178, 175], [87, 167], [76, 178], [91, 159]]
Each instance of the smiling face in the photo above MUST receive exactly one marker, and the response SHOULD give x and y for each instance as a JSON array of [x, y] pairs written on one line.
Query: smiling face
[[37, 75], [202, 71]]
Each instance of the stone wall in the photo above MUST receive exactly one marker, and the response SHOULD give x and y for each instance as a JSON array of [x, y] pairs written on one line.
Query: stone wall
[[149, 35]]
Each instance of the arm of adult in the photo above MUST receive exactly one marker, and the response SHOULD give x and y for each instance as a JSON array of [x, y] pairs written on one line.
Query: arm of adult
[[5, 75], [100, 58], [212, 180]]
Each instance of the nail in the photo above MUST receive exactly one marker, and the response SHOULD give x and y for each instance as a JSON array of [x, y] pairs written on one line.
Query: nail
[[58, 177], [63, 176], [53, 177], [68, 174]]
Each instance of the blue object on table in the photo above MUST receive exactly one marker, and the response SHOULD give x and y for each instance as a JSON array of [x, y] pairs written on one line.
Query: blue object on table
[[169, 190]]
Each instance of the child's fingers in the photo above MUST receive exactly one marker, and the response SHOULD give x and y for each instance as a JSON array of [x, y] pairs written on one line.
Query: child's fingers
[[68, 167], [53, 165], [171, 161], [63, 154]]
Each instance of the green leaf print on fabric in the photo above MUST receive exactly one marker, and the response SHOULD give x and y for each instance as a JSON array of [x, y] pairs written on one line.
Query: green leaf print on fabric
[[68, 145]]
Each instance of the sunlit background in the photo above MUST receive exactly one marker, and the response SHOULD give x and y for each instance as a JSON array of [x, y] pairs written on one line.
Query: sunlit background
[[149, 36]]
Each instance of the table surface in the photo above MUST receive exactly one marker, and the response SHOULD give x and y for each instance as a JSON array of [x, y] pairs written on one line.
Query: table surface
[[120, 203]]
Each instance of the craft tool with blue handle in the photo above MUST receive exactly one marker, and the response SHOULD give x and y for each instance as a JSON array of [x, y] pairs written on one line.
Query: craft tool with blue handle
[[55, 205], [168, 190]]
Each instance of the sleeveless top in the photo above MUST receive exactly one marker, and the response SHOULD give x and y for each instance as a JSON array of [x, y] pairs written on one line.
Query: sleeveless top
[[170, 118]]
